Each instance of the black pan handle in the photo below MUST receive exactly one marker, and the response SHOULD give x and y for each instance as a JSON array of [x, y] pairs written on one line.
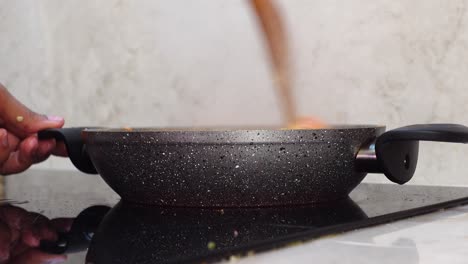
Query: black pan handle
[[396, 151], [76, 147], [81, 233]]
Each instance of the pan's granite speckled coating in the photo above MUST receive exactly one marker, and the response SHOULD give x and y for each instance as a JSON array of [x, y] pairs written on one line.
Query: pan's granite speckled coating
[[229, 168]]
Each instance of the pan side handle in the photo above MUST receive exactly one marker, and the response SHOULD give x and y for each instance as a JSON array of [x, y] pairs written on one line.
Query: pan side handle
[[75, 145], [395, 153]]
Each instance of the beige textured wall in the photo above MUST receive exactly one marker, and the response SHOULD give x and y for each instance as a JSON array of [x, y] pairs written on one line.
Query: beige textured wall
[[169, 63]]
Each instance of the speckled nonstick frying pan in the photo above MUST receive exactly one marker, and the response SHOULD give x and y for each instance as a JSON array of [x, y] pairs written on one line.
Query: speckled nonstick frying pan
[[243, 168]]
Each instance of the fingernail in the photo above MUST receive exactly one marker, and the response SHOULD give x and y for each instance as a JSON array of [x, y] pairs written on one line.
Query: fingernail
[[4, 137], [55, 118]]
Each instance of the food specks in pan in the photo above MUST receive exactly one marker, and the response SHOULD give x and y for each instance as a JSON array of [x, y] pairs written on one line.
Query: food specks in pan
[[211, 245]]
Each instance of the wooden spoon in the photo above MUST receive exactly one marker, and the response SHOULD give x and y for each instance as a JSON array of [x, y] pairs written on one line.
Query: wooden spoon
[[274, 31]]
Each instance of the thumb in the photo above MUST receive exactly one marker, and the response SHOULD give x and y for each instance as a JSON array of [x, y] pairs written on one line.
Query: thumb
[[22, 121]]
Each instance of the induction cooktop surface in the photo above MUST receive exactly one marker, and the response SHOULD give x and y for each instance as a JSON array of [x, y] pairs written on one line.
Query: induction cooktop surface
[[107, 230]]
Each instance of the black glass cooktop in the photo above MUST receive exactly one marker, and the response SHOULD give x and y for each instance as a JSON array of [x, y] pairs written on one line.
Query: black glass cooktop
[[106, 230]]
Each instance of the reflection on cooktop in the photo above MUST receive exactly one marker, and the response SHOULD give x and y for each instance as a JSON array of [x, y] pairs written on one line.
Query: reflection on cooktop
[[131, 234], [118, 232]]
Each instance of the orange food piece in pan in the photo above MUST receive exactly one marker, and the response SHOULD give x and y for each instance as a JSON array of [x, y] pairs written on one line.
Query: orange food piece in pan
[[307, 123]]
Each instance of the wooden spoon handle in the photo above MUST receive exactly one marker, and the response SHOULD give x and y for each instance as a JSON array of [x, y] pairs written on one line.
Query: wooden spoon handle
[[273, 28]]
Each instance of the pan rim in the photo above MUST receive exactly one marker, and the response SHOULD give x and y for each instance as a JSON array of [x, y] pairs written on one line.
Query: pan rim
[[131, 130]]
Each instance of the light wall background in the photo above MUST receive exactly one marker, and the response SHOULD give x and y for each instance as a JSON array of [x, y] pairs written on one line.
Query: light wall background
[[186, 63]]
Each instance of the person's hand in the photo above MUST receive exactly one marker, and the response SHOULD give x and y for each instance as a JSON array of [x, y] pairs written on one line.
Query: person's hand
[[21, 233], [19, 146]]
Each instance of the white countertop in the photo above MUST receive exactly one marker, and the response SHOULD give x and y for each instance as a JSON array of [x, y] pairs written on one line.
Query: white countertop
[[440, 237]]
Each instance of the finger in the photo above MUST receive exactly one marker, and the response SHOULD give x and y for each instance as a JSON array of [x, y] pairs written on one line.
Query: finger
[[62, 224], [30, 227], [21, 120], [35, 256], [44, 149], [28, 237], [4, 146], [5, 241], [42, 228], [14, 217], [60, 149], [36, 228], [18, 249], [22, 159], [13, 142]]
